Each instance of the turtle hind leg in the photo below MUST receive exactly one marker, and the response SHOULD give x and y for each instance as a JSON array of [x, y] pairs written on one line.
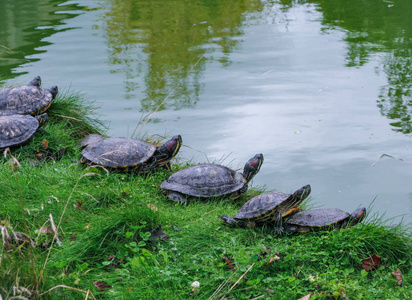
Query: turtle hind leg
[[228, 220], [178, 197]]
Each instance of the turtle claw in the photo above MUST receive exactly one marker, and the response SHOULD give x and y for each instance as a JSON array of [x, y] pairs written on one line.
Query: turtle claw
[[278, 231], [168, 167]]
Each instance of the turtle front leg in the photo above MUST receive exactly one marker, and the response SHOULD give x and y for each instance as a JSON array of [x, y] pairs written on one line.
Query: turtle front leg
[[228, 220], [178, 197], [153, 164], [278, 228]]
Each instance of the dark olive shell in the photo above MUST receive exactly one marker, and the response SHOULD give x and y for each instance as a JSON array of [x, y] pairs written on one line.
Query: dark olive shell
[[119, 152], [16, 129], [261, 207], [24, 100], [90, 139], [318, 217], [205, 180]]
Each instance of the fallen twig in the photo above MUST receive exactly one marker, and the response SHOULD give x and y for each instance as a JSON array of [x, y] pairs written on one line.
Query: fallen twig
[[239, 280], [88, 292]]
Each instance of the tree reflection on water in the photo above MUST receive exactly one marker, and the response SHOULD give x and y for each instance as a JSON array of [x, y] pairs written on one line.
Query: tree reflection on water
[[171, 36], [24, 26], [378, 27], [164, 43]]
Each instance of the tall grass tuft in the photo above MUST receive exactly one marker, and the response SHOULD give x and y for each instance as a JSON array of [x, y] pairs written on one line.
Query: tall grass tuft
[[76, 113], [31, 176]]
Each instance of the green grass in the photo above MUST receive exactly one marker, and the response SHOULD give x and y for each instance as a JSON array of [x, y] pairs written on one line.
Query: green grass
[[106, 218]]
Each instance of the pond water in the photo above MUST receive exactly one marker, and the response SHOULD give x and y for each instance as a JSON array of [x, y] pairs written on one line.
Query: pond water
[[321, 88]]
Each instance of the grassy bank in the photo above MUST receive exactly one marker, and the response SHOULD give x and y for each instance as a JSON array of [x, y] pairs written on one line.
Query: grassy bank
[[107, 251]]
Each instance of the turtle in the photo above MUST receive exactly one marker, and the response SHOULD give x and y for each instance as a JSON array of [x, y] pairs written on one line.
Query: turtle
[[269, 208], [26, 99], [18, 129], [210, 180], [128, 154], [323, 219], [91, 138]]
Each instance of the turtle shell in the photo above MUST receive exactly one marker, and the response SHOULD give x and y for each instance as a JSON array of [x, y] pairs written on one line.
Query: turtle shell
[[261, 207], [205, 180], [16, 129], [318, 217], [119, 152], [24, 100], [90, 139]]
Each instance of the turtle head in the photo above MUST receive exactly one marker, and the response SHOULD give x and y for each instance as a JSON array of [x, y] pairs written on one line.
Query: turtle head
[[357, 216], [54, 90], [36, 81], [167, 151], [302, 193], [42, 119], [252, 167], [291, 206]]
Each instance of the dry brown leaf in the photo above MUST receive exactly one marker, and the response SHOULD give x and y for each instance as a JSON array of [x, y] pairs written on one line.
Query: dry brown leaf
[[272, 259], [398, 275], [79, 205], [114, 262], [111, 257], [40, 156], [101, 285], [229, 262], [45, 144], [152, 207], [371, 263], [307, 297]]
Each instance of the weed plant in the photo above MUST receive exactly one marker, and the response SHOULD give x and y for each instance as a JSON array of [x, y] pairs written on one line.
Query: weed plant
[[105, 220]]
